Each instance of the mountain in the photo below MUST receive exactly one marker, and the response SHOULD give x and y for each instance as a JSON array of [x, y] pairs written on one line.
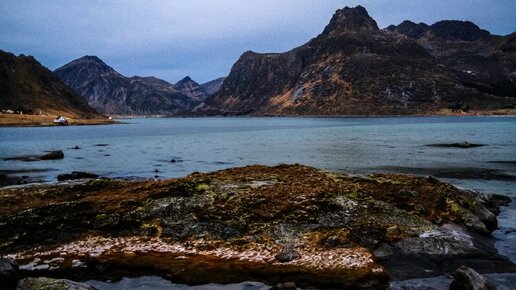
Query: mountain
[[192, 89], [28, 86], [110, 92], [213, 86], [355, 68], [478, 59]]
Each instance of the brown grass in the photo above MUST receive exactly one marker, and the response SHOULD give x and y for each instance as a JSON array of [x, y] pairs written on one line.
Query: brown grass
[[15, 120]]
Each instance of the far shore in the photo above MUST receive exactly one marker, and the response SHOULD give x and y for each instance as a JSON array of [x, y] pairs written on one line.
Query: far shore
[[17, 120]]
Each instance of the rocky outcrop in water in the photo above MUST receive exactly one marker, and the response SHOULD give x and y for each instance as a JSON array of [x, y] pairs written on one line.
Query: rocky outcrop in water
[[288, 223], [354, 68], [76, 175], [109, 92], [467, 278]]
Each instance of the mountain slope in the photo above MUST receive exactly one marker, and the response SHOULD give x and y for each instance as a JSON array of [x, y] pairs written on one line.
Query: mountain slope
[[353, 68], [112, 93], [479, 60], [213, 86], [28, 86], [192, 89]]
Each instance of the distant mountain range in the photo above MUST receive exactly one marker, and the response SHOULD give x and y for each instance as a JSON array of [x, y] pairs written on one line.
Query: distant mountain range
[[27, 86], [355, 68], [351, 68], [110, 92]]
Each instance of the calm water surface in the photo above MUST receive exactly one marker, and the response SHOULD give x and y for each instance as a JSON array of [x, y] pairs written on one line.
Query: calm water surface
[[357, 145]]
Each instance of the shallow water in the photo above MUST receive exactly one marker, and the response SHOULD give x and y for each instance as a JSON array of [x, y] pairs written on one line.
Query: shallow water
[[158, 283]]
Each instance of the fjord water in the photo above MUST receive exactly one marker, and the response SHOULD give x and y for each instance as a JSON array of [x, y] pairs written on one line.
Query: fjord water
[[144, 148]]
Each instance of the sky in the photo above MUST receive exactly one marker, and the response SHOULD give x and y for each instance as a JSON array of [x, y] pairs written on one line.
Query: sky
[[171, 39]]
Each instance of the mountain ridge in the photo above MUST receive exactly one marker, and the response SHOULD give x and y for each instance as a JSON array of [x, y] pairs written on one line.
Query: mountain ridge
[[354, 68], [110, 92]]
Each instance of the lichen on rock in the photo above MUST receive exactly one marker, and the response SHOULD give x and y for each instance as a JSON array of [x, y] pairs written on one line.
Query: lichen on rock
[[312, 227]]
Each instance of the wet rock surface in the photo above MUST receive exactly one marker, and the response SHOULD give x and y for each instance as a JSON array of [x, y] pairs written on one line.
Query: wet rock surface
[[53, 155], [43, 283], [255, 223], [463, 145], [76, 175], [467, 278], [8, 273]]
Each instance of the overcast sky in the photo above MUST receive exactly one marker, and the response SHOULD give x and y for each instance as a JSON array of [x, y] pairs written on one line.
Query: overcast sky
[[170, 39]]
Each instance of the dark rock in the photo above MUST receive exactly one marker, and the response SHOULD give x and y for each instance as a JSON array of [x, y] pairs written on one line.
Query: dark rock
[[8, 273], [407, 193], [76, 175], [106, 220], [467, 279], [6, 180], [464, 145], [284, 286], [43, 283], [287, 255], [332, 242], [367, 235], [26, 158], [101, 145], [384, 251], [76, 148], [173, 161], [53, 155]]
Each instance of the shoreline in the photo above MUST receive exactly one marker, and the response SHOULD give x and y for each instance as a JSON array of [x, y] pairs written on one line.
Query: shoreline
[[16, 120]]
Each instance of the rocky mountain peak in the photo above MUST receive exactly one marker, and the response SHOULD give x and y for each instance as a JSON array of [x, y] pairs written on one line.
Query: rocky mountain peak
[[191, 88], [410, 29], [350, 19], [459, 30], [92, 63], [186, 79]]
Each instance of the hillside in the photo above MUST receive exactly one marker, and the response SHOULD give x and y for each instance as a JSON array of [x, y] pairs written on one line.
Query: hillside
[[27, 86]]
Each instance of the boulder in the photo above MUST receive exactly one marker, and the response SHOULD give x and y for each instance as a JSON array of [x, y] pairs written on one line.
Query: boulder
[[8, 273], [465, 278], [43, 283], [53, 155], [76, 175], [285, 286], [287, 255]]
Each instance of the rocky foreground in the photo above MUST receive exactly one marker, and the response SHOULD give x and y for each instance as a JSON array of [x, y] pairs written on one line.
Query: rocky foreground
[[288, 223]]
